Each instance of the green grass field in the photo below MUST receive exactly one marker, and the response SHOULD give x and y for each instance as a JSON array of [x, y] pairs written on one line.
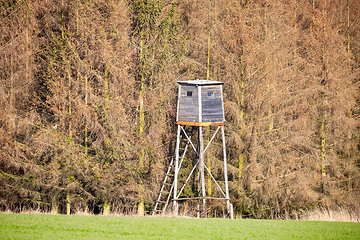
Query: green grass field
[[43, 226]]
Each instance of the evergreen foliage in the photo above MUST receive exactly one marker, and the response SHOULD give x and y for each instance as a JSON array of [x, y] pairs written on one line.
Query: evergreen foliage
[[88, 101]]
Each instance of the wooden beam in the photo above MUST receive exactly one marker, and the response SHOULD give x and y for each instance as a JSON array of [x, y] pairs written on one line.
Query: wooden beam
[[229, 206], [176, 209], [197, 198], [198, 124], [201, 170]]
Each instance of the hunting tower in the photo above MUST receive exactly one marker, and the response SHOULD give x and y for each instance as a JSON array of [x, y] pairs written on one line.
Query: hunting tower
[[200, 104]]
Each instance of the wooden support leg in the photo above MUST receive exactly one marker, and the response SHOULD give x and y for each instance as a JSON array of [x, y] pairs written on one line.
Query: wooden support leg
[[229, 207], [201, 168], [176, 207]]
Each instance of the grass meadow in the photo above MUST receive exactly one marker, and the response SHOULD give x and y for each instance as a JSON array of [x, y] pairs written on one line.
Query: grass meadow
[[46, 226]]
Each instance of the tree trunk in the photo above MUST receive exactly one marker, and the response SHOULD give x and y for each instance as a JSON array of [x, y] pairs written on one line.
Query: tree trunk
[[141, 129]]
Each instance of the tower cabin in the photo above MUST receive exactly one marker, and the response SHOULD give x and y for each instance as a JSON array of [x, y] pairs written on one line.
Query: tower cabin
[[200, 103]]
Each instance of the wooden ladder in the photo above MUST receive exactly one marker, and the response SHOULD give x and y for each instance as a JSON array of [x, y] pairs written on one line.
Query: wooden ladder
[[166, 190], [167, 187]]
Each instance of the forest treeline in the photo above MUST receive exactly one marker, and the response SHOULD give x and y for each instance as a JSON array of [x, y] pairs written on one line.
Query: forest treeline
[[88, 98]]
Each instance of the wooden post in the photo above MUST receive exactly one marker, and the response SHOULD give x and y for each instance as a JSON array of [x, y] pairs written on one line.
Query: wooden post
[[201, 169], [176, 208], [229, 207], [198, 215]]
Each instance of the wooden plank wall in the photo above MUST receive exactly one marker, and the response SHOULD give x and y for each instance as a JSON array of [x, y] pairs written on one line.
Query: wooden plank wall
[[211, 98], [188, 105]]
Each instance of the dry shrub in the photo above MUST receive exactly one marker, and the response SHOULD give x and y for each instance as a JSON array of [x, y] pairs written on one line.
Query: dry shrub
[[340, 214]]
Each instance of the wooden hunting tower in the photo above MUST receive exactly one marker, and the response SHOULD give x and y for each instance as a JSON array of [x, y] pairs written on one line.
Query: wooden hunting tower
[[200, 104]]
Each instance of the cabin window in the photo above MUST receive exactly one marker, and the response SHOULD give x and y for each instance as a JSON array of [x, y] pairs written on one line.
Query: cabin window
[[209, 94], [189, 93]]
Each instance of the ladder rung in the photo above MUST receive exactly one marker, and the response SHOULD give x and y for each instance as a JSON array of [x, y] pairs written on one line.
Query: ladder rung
[[161, 201], [170, 175]]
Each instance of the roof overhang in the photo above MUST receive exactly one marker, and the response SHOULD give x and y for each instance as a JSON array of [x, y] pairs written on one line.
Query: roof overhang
[[200, 82]]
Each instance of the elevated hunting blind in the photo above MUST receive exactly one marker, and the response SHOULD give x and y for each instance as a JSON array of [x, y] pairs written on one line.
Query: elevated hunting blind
[[200, 103]]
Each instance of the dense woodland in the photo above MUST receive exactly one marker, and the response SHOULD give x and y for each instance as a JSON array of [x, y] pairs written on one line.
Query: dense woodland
[[88, 98]]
